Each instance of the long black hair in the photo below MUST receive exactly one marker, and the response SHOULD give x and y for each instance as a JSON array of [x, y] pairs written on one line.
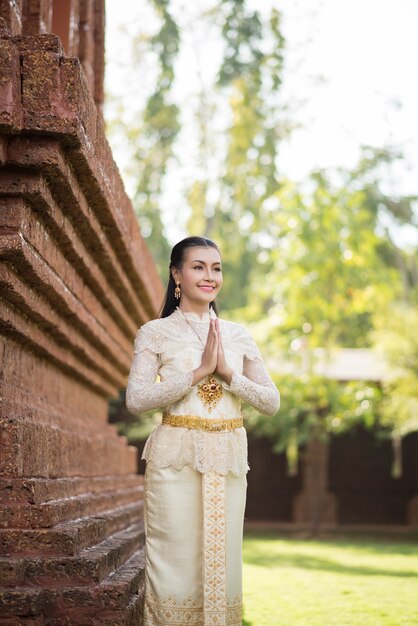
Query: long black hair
[[177, 258]]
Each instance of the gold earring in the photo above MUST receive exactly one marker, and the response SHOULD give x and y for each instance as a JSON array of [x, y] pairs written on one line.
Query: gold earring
[[177, 292]]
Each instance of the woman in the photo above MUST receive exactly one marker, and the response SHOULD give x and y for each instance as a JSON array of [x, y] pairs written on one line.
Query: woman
[[196, 460]]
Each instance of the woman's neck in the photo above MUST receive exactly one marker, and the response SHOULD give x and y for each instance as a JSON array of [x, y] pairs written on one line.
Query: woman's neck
[[193, 307]]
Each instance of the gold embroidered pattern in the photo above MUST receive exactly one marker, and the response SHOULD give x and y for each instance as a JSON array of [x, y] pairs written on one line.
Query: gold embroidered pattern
[[214, 553], [186, 612], [213, 607], [202, 423], [171, 611], [210, 392], [234, 612]]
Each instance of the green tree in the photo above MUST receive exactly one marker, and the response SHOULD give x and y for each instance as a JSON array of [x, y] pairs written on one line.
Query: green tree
[[249, 81], [332, 266], [316, 261], [237, 163], [397, 341], [333, 270]]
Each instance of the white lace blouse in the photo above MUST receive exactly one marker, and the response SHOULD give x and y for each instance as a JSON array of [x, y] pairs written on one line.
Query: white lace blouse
[[169, 347]]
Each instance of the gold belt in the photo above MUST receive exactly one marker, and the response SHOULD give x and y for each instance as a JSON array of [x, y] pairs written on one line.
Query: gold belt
[[202, 423]]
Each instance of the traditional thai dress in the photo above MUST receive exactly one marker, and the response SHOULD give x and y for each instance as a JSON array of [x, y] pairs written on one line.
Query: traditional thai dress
[[196, 463]]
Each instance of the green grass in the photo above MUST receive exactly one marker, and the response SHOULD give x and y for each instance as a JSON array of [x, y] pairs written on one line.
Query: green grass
[[332, 582]]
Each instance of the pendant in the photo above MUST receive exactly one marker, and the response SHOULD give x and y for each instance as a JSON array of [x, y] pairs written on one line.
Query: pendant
[[210, 392]]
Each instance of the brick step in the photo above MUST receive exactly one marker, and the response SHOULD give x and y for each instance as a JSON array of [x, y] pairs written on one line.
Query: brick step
[[134, 612], [68, 538], [108, 602], [22, 621], [111, 455], [91, 566], [114, 611], [41, 490], [131, 615], [65, 509]]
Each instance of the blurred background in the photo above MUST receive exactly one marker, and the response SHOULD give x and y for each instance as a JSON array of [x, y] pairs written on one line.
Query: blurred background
[[287, 132]]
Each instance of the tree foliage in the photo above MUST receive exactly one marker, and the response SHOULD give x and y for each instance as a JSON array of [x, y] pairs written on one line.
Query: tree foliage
[[330, 269], [396, 340], [156, 134], [317, 262], [249, 82], [331, 279]]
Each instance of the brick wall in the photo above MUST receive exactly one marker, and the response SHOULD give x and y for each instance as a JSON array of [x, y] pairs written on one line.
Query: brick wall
[[360, 476], [80, 24], [359, 480], [76, 281]]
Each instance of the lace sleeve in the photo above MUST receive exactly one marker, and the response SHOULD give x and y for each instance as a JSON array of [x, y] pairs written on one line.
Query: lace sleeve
[[142, 392], [255, 385]]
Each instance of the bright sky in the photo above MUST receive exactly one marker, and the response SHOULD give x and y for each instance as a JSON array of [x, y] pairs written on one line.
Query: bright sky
[[366, 51], [352, 62]]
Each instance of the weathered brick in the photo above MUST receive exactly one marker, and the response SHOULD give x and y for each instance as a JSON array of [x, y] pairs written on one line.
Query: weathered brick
[[92, 566], [69, 538], [55, 512], [99, 52], [40, 450], [78, 244], [11, 111], [45, 42], [93, 605], [77, 280], [37, 17], [88, 43], [10, 18], [42, 490]]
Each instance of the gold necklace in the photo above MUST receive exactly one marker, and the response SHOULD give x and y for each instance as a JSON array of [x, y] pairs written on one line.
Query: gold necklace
[[210, 390], [201, 340]]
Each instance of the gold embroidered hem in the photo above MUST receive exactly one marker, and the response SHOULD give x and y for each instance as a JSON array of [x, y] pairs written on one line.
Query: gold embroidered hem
[[193, 549], [189, 611]]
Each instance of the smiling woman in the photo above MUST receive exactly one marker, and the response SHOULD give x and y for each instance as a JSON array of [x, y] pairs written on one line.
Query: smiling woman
[[195, 478], [205, 274]]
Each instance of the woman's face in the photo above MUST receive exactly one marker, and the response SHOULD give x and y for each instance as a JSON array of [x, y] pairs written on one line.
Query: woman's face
[[201, 268]]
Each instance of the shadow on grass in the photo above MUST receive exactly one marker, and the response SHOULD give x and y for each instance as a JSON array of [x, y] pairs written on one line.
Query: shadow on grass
[[389, 544], [301, 561], [257, 554]]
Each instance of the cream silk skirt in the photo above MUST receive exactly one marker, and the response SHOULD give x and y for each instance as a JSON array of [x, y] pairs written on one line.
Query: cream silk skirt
[[193, 548]]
